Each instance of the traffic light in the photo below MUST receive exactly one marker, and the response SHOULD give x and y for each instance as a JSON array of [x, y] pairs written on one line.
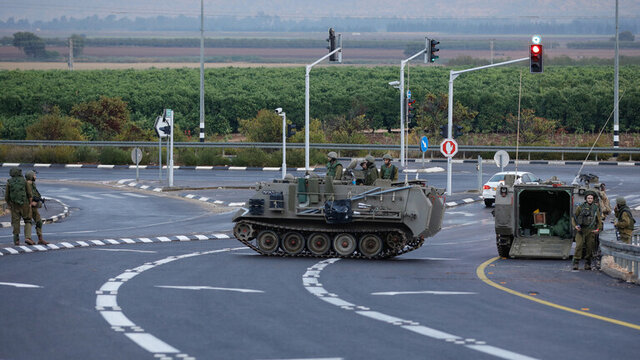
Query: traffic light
[[457, 131], [535, 59], [411, 113], [433, 50], [291, 130], [443, 131], [332, 44]]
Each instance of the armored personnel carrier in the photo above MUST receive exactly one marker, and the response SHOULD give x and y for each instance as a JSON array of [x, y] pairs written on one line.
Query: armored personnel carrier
[[534, 220], [313, 216]]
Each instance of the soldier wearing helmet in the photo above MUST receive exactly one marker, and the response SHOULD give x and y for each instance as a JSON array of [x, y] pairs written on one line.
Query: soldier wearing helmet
[[36, 203], [370, 172], [388, 170], [624, 220], [18, 195], [587, 221], [334, 168]]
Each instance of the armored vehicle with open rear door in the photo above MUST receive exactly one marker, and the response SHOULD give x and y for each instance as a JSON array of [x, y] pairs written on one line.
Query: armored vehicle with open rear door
[[534, 220], [313, 216]]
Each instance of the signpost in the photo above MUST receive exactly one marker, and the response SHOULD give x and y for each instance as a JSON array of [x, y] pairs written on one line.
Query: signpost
[[424, 146], [502, 159], [162, 129], [448, 148], [136, 157]]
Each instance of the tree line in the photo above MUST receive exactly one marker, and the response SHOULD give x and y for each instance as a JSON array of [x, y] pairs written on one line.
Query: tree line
[[575, 99]]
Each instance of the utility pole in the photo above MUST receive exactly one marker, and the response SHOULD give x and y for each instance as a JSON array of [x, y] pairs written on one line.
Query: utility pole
[[616, 110], [70, 54], [201, 70]]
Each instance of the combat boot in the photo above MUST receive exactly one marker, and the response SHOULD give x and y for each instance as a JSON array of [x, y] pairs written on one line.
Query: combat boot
[[29, 241], [16, 239], [587, 265], [575, 264], [41, 241]]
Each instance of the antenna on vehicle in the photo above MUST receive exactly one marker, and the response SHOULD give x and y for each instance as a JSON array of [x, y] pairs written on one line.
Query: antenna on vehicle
[[575, 180]]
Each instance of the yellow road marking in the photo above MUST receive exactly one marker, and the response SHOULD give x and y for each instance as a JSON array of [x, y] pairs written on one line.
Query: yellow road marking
[[481, 275]]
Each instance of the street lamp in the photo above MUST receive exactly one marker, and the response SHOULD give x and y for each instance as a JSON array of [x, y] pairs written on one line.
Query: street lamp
[[284, 140]]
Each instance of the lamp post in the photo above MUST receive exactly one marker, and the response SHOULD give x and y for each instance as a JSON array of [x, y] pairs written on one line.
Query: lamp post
[[283, 115]]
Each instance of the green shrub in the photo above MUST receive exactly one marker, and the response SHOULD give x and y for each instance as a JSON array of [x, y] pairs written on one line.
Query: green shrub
[[187, 157], [114, 156], [85, 154], [17, 154], [212, 157]]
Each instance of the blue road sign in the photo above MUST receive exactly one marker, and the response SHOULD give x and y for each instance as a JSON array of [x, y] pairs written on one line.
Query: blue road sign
[[424, 144], [408, 94]]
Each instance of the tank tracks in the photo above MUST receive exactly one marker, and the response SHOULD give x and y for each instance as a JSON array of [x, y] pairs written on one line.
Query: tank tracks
[[399, 247]]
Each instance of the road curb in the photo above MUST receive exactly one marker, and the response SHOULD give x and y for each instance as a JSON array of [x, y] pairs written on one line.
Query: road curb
[[464, 201], [26, 249], [274, 169], [49, 220]]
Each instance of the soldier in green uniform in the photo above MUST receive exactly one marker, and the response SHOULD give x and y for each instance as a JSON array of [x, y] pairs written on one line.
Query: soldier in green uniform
[[18, 195], [35, 204], [334, 168], [371, 172], [587, 221], [624, 221], [388, 170]]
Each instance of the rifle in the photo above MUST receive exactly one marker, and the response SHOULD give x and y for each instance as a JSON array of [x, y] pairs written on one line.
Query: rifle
[[41, 199]]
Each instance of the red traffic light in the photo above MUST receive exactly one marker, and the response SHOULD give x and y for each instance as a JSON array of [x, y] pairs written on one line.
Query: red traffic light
[[536, 49]]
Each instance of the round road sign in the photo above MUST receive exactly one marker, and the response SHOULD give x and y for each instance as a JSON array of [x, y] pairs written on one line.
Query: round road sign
[[501, 158]]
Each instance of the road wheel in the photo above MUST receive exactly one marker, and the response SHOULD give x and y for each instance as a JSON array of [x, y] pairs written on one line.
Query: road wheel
[[370, 245], [243, 231], [267, 241], [318, 243], [293, 243], [488, 202], [394, 240], [344, 244]]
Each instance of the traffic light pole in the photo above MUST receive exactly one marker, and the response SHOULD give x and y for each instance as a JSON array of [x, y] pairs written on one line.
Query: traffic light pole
[[306, 101], [403, 63], [452, 76]]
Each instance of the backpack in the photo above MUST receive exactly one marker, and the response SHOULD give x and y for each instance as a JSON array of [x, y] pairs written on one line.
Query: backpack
[[17, 190]]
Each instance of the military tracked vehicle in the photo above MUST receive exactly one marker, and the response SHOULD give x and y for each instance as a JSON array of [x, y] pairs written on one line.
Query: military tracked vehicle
[[534, 220], [313, 216]]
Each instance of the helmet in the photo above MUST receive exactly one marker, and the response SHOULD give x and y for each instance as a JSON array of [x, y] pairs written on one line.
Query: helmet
[[621, 201], [30, 175], [15, 172], [602, 186], [592, 193], [370, 159], [387, 156], [332, 155]]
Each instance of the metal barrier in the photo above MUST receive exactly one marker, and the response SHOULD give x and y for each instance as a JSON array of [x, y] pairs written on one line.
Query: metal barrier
[[627, 256]]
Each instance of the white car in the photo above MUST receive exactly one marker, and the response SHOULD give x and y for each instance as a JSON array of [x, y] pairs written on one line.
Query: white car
[[489, 188]]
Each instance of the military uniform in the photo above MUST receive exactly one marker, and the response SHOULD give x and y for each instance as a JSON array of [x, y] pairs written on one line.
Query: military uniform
[[388, 171], [18, 195], [334, 170], [624, 221], [371, 173], [588, 217], [35, 214]]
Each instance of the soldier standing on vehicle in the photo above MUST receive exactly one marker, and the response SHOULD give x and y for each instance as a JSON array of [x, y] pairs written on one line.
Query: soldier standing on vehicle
[[605, 209], [371, 172], [36, 203], [334, 168], [624, 221], [388, 170], [18, 195], [587, 221]]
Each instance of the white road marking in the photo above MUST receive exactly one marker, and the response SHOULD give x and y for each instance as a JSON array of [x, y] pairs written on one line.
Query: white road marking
[[208, 288], [463, 213], [20, 285], [438, 259], [124, 181], [237, 168], [151, 343], [316, 289], [116, 318], [221, 236], [204, 199], [183, 238], [236, 204], [135, 195], [430, 292], [145, 240], [67, 197], [91, 197], [114, 196], [129, 250], [164, 239], [190, 196]]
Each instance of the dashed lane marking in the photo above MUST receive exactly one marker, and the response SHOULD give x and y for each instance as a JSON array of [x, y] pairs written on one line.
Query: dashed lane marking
[[429, 292], [311, 282], [208, 288], [20, 285], [480, 272]]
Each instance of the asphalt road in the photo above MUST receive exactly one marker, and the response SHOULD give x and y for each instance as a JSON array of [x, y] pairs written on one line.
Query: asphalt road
[[451, 299]]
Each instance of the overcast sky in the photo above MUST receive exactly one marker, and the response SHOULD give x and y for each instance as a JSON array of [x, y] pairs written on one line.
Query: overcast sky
[[546, 9]]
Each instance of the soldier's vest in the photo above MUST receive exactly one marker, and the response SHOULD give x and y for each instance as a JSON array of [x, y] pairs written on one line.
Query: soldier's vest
[[386, 172], [626, 210], [331, 169], [587, 215], [17, 190], [34, 189]]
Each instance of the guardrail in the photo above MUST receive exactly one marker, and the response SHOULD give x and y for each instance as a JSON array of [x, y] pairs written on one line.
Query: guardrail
[[627, 256], [264, 145]]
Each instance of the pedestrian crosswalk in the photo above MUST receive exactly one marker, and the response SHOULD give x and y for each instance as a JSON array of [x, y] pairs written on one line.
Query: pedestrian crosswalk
[[99, 196]]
